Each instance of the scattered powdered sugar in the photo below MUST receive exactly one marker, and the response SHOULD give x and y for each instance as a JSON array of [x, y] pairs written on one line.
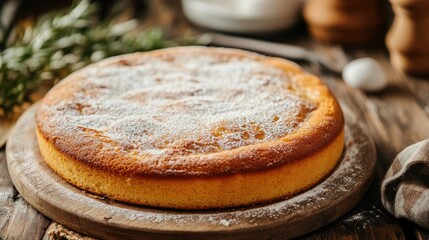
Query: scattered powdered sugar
[[312, 201], [182, 104], [355, 162], [225, 222]]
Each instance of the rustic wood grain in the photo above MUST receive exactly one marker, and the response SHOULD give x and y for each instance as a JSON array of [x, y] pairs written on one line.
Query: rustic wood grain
[[419, 89], [18, 220], [7, 195], [103, 218], [394, 118]]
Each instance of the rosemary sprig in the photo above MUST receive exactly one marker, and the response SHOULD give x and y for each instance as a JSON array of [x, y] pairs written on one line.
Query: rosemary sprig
[[63, 42]]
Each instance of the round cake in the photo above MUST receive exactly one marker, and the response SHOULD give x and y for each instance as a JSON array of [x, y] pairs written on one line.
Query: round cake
[[191, 128]]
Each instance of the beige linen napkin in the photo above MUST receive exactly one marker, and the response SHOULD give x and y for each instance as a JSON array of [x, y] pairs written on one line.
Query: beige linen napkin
[[405, 188]]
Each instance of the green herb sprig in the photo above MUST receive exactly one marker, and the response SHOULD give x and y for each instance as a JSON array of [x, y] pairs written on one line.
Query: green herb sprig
[[62, 42]]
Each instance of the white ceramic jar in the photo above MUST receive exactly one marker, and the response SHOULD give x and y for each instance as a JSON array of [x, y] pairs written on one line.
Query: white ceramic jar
[[243, 16]]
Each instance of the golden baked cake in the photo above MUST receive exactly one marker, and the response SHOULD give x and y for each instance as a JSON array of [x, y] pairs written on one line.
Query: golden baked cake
[[191, 128]]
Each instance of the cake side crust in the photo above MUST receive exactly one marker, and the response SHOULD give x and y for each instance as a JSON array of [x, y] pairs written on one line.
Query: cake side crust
[[198, 192]]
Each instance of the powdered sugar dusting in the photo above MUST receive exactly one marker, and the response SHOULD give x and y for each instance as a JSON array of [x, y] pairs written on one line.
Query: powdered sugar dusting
[[358, 160], [178, 105], [355, 162]]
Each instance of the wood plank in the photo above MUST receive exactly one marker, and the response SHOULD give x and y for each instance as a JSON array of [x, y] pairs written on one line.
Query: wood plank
[[368, 220], [25, 222], [7, 195], [386, 116], [18, 220], [395, 118], [419, 87]]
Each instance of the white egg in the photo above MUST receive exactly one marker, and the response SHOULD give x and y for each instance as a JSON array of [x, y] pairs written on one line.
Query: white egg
[[366, 74]]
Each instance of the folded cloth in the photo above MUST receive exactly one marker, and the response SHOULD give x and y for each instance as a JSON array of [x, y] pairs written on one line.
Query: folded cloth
[[405, 188]]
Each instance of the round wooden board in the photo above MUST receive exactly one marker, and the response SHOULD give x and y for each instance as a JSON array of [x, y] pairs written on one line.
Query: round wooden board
[[104, 218]]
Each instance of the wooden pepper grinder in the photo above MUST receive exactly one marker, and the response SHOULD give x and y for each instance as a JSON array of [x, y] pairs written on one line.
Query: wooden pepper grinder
[[347, 22], [408, 38]]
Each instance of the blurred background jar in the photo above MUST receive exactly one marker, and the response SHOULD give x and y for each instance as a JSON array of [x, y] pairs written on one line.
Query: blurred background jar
[[408, 38], [346, 22], [243, 16]]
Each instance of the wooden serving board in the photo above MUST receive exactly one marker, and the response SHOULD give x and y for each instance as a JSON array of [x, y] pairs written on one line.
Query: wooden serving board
[[107, 219]]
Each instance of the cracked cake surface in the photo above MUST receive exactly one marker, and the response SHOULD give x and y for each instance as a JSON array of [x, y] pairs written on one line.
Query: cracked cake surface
[[188, 112]]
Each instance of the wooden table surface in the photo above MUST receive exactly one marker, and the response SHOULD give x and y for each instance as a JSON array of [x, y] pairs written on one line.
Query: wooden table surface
[[394, 118]]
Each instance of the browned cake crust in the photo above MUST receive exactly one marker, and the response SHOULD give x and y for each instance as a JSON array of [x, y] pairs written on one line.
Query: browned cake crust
[[214, 124]]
